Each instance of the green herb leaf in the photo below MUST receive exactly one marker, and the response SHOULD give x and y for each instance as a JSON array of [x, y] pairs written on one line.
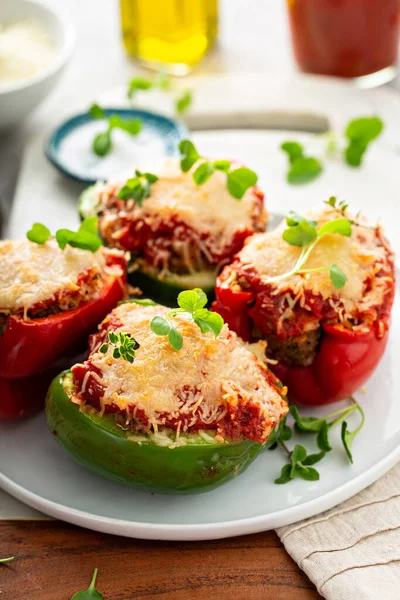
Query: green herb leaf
[[138, 83], [338, 278], [102, 143], [131, 126], [299, 454], [281, 433], [6, 560], [175, 338], [360, 133], [349, 436], [203, 173], [293, 150], [331, 202], [309, 474], [138, 188], [96, 112], [312, 459], [85, 238], [189, 155], [323, 438], [285, 475], [103, 348], [183, 102], [91, 593], [304, 170], [125, 346], [39, 234], [239, 181], [160, 326], [222, 165], [300, 235], [341, 226], [208, 321], [191, 300]]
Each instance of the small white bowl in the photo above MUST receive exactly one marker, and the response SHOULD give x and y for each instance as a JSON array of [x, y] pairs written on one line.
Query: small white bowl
[[20, 97]]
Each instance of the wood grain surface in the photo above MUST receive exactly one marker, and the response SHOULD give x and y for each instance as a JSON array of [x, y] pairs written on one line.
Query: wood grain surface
[[54, 560]]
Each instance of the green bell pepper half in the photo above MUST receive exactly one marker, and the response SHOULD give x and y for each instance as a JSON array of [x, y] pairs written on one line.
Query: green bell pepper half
[[99, 445]]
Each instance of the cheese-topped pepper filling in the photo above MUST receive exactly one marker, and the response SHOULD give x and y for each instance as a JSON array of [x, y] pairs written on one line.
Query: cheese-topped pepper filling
[[289, 311], [38, 280], [182, 227], [212, 383]]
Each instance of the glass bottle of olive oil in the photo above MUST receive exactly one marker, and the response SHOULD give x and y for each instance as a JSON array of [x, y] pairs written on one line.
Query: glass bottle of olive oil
[[171, 35]]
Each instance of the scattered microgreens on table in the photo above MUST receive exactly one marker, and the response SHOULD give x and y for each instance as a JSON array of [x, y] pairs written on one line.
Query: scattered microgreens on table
[[91, 593], [300, 463], [124, 345], [239, 179], [191, 307], [6, 560], [303, 232], [359, 133], [161, 81], [138, 188], [102, 142], [86, 238]]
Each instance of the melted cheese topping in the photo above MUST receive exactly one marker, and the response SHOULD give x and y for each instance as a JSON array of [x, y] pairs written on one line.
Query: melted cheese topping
[[208, 208], [32, 273], [214, 371], [360, 257]]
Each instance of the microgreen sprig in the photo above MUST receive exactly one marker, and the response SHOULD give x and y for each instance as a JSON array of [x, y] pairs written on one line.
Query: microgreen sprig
[[6, 560], [300, 462], [86, 238], [192, 307], [304, 233], [183, 100], [138, 188], [360, 133], [302, 169], [102, 142], [124, 345], [238, 180], [91, 593]]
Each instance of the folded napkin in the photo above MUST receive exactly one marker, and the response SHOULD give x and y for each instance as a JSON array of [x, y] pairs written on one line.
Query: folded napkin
[[352, 552]]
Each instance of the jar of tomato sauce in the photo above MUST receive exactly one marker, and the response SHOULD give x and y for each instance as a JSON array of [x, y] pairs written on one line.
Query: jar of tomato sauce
[[346, 38]]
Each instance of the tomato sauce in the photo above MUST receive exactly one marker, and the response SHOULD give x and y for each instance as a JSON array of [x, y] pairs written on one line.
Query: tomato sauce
[[344, 38]]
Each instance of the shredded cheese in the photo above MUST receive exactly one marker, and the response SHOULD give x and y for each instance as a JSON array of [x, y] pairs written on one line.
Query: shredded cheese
[[32, 273], [360, 257], [203, 378]]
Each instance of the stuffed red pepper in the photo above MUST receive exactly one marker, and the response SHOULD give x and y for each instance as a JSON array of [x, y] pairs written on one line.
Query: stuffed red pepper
[[148, 412], [319, 289], [179, 232], [50, 300]]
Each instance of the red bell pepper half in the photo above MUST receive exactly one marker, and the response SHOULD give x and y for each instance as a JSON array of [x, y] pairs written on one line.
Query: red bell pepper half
[[28, 347], [23, 397], [344, 361]]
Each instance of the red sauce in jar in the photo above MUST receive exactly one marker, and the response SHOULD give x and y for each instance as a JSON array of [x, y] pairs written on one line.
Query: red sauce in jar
[[346, 38]]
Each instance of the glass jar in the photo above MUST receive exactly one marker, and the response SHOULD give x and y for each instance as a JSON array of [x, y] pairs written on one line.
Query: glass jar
[[169, 35], [346, 38]]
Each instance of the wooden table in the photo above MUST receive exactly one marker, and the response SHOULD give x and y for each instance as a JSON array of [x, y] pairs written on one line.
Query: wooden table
[[53, 560]]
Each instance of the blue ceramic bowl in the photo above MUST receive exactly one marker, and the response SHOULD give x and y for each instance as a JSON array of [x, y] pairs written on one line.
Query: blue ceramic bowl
[[69, 147]]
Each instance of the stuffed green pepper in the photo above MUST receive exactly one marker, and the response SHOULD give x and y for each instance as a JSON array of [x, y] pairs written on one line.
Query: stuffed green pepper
[[179, 233], [168, 400]]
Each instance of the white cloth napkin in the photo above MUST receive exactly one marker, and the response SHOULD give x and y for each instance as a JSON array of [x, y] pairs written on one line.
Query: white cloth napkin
[[352, 552]]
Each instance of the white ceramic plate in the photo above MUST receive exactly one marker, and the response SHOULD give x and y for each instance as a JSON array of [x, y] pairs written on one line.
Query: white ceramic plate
[[37, 471]]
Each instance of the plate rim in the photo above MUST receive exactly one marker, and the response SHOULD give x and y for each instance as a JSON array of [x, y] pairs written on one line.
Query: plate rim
[[203, 531]]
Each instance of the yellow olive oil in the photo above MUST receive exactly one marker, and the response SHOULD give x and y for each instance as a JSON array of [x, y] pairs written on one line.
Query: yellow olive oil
[[172, 35]]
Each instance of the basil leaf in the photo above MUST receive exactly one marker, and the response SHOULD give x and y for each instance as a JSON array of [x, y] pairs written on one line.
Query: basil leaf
[[364, 128], [300, 235], [183, 102], [203, 173], [189, 155], [160, 326], [285, 475], [304, 170], [341, 226], [151, 178], [175, 338], [102, 143], [90, 224], [208, 321], [191, 300], [91, 593], [294, 150], [39, 234], [96, 112], [239, 181], [338, 278]]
